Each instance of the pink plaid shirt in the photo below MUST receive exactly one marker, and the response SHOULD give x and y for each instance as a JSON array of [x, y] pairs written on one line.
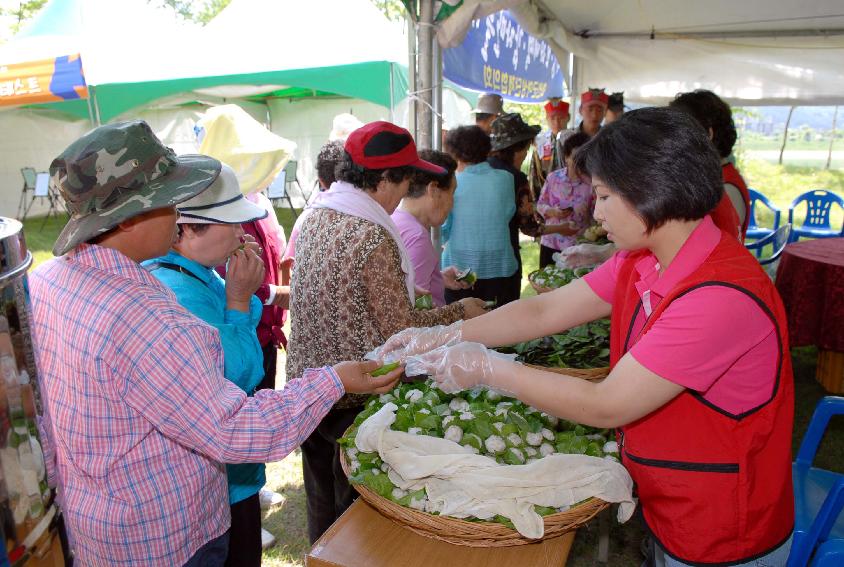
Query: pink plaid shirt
[[138, 416]]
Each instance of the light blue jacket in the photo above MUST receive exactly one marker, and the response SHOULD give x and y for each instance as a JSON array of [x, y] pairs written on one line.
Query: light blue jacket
[[205, 296], [477, 233]]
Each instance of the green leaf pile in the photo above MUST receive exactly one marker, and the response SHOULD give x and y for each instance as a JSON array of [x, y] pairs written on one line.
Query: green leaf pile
[[584, 346], [500, 427], [554, 277]]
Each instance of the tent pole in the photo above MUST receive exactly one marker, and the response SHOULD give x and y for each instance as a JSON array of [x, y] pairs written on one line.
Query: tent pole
[[437, 95], [93, 107], [392, 101], [425, 28], [437, 139], [785, 133], [90, 102], [832, 138], [411, 71], [574, 78]]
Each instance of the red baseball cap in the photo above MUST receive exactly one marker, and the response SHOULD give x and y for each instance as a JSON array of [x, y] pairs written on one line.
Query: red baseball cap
[[382, 145], [556, 107], [594, 96]]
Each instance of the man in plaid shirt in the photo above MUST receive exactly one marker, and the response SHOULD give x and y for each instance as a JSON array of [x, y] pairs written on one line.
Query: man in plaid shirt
[[137, 414]]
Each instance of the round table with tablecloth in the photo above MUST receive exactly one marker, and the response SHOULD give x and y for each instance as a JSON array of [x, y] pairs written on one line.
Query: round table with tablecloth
[[810, 279]]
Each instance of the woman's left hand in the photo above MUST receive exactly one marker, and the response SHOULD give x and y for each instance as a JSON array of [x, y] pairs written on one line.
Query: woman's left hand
[[450, 279]]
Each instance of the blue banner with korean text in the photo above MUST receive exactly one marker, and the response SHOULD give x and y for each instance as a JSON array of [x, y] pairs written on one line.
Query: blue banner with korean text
[[498, 55]]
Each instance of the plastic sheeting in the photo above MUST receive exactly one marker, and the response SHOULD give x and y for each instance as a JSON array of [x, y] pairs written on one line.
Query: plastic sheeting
[[751, 53]]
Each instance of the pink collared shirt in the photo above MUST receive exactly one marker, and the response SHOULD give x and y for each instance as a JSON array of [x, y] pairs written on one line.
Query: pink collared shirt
[[138, 416], [426, 261], [714, 340]]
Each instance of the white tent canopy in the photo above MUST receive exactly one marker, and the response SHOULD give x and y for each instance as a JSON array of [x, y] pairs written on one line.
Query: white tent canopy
[[754, 52]]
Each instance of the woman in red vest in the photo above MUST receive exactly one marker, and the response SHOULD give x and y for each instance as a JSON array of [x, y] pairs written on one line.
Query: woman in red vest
[[716, 117], [700, 384]]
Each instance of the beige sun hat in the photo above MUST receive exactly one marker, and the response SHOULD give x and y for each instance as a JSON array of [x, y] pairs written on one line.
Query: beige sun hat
[[221, 203]]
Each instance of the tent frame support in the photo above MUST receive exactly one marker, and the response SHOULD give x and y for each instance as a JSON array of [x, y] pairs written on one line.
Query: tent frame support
[[761, 34]]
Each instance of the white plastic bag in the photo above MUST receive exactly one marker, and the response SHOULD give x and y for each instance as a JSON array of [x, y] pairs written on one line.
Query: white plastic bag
[[581, 255]]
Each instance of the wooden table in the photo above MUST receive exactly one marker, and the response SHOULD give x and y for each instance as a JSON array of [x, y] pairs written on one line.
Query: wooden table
[[362, 537], [810, 279]]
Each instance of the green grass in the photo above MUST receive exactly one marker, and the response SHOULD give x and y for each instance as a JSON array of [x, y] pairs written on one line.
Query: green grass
[[288, 520], [783, 183]]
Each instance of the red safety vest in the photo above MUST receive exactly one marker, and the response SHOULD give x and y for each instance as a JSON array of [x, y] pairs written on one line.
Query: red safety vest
[[733, 177], [725, 217], [714, 487]]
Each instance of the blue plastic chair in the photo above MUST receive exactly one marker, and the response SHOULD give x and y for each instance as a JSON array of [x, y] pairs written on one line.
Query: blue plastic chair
[[777, 239], [829, 554], [753, 229], [818, 205], [818, 493]]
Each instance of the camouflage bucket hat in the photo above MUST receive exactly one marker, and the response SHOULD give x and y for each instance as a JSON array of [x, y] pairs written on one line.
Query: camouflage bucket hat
[[510, 129], [119, 171]]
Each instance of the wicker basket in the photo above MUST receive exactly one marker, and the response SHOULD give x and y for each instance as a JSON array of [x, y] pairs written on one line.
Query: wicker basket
[[585, 373], [538, 288], [474, 534]]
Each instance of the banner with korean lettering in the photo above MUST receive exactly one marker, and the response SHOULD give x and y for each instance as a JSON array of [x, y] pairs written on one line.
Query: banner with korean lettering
[[498, 55], [46, 80]]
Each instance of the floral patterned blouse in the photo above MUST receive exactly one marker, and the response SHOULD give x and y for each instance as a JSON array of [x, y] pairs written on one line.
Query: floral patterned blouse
[[560, 192], [348, 294]]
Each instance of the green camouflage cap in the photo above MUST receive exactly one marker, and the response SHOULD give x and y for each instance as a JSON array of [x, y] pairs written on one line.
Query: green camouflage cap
[[510, 129], [119, 171]]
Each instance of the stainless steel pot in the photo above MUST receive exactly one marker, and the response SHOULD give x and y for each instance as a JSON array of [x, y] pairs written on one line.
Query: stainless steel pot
[[26, 508]]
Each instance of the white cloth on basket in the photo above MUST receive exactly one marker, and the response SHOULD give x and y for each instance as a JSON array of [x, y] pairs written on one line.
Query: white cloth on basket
[[461, 483]]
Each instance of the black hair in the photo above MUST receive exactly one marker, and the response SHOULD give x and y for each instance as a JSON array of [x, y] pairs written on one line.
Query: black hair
[[196, 227], [615, 102], [573, 142], [326, 162], [660, 161], [468, 144], [711, 112], [506, 154], [420, 180], [368, 179]]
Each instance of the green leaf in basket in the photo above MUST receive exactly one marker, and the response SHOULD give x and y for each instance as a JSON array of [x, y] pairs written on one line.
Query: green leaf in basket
[[482, 426], [544, 510], [504, 520], [519, 421], [426, 420], [418, 495], [377, 482], [594, 450], [404, 420], [472, 440]]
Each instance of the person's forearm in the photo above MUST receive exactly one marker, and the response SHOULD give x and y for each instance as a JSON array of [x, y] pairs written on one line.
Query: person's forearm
[[534, 317], [563, 229], [270, 425], [559, 395], [630, 392]]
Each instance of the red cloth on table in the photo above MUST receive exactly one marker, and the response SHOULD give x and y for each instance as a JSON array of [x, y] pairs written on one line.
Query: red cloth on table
[[810, 279]]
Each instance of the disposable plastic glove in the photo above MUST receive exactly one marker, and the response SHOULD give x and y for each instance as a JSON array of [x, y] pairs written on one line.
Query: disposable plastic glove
[[584, 255], [416, 340], [463, 366]]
